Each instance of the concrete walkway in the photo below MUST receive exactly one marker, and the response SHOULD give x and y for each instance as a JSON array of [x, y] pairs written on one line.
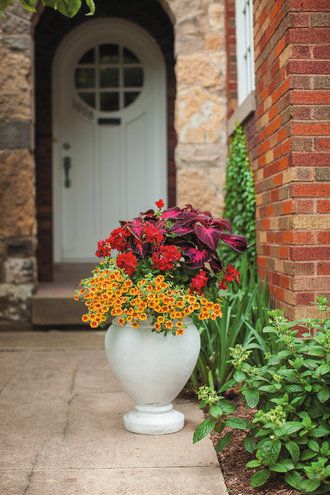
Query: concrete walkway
[[61, 429]]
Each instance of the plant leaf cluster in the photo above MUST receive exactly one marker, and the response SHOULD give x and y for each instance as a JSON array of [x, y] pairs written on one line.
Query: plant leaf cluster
[[240, 196], [244, 309], [69, 8], [289, 430]]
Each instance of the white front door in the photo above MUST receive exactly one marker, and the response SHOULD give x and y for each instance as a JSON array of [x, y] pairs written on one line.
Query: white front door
[[109, 151]]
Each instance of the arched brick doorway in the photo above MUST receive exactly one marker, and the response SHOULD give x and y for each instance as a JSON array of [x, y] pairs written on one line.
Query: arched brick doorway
[[49, 32]]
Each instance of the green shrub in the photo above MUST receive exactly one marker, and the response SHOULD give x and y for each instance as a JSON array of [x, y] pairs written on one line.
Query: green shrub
[[289, 431], [240, 198], [244, 310]]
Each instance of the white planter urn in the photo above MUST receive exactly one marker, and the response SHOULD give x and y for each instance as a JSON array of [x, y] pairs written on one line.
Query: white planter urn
[[152, 369]]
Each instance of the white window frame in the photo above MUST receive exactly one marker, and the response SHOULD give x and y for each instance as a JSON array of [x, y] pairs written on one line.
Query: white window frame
[[244, 49]]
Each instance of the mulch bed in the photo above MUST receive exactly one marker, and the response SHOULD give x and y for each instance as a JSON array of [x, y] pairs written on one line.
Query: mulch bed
[[233, 459]]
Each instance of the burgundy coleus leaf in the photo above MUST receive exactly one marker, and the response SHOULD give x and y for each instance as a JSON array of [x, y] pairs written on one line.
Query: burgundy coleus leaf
[[136, 227], [172, 213], [180, 229], [197, 256], [208, 235], [147, 214], [236, 242], [222, 224]]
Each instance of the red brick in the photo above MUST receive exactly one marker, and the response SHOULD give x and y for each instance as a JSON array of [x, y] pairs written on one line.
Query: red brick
[[310, 129], [309, 6], [322, 144], [323, 206], [323, 268], [310, 190], [310, 159], [301, 35], [306, 253], [321, 51], [323, 237], [308, 67], [310, 97]]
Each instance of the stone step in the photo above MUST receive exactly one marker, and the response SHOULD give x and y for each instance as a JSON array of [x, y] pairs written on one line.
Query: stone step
[[53, 304]]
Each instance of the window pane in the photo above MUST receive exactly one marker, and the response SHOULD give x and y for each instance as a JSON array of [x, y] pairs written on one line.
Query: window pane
[[129, 57], [88, 57], [130, 97], [109, 78], [109, 54], [88, 98], [85, 78], [133, 77], [109, 102]]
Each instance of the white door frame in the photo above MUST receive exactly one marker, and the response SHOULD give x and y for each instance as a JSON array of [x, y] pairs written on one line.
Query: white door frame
[[74, 43]]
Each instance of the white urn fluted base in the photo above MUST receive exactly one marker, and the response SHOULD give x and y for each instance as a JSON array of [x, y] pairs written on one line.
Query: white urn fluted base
[[154, 420]]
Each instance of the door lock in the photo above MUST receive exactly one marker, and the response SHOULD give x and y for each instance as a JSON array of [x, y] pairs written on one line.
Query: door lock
[[67, 166]]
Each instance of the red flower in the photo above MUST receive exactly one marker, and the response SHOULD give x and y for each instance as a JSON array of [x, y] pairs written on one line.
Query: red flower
[[231, 275], [118, 239], [153, 234], [103, 249], [198, 282], [128, 262], [165, 257], [160, 203]]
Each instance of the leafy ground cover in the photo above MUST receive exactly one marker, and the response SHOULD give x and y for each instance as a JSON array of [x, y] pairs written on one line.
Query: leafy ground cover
[[288, 429]]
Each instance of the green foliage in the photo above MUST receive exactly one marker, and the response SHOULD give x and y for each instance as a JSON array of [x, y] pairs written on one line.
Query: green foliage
[[240, 198], [244, 316], [289, 431], [69, 8]]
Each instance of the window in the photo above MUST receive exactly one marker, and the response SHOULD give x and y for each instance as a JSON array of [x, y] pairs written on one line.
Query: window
[[244, 49], [109, 77]]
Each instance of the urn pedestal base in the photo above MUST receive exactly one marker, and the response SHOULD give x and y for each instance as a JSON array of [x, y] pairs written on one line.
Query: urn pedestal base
[[154, 420]]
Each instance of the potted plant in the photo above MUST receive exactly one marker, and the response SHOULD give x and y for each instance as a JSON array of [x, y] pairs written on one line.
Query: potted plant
[[157, 271]]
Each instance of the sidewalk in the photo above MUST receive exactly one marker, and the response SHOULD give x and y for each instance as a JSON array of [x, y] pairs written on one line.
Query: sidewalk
[[61, 429]]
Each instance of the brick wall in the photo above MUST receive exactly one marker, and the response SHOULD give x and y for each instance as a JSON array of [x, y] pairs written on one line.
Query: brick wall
[[51, 29], [288, 137]]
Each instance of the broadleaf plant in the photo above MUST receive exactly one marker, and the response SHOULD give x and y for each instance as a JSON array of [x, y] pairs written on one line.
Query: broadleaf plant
[[289, 431], [69, 8]]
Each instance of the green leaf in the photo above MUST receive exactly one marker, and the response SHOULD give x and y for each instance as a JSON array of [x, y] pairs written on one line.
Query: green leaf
[[215, 411], [307, 454], [291, 427], [324, 394], [253, 464], [239, 376], [227, 407], [91, 5], [310, 485], [320, 431], [294, 450], [251, 397], [68, 8], [29, 5], [259, 478], [237, 423], [313, 445], [223, 441], [204, 429], [283, 466], [249, 443], [293, 479], [270, 450]]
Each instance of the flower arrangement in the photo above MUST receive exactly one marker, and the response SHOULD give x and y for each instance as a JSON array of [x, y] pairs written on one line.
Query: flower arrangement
[[166, 269]]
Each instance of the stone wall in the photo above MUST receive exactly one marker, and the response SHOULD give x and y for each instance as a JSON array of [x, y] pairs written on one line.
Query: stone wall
[[201, 102], [17, 177]]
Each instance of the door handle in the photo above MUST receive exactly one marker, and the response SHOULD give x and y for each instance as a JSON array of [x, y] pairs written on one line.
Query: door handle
[[67, 166]]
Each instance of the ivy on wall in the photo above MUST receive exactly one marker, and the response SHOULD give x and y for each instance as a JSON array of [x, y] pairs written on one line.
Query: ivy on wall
[[240, 197], [68, 8]]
